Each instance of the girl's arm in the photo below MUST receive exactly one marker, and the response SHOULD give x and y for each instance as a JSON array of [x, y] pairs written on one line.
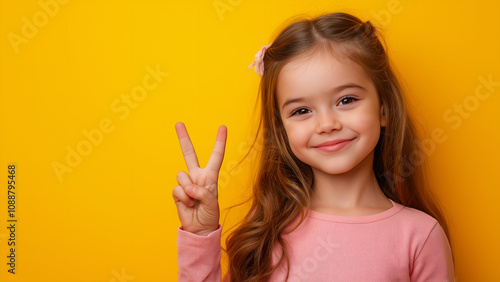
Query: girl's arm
[[196, 198], [198, 257], [434, 262]]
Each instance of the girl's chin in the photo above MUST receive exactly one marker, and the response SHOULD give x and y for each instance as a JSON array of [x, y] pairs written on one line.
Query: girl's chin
[[332, 170]]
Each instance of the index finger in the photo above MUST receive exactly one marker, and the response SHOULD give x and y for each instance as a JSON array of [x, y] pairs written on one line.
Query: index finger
[[215, 161], [186, 146]]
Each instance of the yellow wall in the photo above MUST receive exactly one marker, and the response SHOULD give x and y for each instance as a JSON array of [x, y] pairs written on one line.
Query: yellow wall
[[66, 70]]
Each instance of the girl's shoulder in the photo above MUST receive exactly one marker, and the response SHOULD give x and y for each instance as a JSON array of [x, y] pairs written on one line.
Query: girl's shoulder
[[415, 214], [413, 219]]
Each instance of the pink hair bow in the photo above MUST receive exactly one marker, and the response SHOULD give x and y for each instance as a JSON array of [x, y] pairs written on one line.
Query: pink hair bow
[[258, 62]]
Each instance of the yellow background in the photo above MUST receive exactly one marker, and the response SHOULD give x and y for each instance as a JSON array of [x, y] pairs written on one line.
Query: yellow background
[[112, 218]]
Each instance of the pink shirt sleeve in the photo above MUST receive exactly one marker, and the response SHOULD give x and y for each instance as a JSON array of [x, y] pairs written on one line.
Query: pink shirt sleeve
[[434, 262], [198, 257]]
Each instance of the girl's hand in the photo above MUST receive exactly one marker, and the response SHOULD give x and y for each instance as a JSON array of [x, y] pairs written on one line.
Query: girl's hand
[[196, 195]]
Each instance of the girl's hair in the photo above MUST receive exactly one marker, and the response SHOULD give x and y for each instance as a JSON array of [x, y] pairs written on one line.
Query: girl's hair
[[283, 187]]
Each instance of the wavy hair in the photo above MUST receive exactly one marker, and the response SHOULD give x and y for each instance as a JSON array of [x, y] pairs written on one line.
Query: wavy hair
[[283, 185]]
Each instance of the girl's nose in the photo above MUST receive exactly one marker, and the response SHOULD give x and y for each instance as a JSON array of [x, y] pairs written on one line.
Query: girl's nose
[[327, 122]]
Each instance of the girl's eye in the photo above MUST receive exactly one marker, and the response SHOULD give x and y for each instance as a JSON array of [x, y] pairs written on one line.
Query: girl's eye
[[301, 111], [347, 100]]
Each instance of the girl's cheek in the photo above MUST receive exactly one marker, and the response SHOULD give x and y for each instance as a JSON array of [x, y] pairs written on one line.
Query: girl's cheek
[[367, 125], [297, 135], [365, 118]]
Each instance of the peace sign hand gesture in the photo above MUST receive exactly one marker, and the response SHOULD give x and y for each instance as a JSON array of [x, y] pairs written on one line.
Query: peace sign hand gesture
[[196, 195]]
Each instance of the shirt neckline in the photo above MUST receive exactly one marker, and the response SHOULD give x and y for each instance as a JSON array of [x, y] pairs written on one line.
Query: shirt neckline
[[358, 219]]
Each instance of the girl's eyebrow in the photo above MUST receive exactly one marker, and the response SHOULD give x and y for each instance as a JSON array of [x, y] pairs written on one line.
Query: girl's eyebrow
[[335, 90]]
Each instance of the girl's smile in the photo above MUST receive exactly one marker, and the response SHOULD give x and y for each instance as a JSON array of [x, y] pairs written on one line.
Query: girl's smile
[[335, 145]]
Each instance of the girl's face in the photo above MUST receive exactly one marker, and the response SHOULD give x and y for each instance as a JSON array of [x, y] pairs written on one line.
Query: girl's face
[[322, 99]]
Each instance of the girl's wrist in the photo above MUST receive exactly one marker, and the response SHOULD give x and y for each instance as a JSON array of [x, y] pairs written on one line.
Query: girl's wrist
[[203, 233]]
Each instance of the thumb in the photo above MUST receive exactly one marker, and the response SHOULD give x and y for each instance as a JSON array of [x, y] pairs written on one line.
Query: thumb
[[202, 194]]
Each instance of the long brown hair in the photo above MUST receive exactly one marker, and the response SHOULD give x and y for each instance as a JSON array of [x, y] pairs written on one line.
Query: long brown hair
[[283, 187]]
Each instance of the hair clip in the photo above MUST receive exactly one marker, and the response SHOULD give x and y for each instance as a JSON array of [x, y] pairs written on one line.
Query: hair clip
[[258, 62]]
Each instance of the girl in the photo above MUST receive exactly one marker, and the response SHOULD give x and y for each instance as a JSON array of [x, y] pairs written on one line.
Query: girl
[[340, 193]]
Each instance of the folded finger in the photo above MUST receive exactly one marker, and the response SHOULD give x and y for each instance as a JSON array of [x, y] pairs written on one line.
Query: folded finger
[[181, 196], [183, 179]]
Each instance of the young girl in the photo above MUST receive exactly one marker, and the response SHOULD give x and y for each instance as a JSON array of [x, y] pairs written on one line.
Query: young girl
[[341, 192]]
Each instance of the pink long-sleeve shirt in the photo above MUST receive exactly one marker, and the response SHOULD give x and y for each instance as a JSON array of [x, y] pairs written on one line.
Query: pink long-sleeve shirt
[[398, 244]]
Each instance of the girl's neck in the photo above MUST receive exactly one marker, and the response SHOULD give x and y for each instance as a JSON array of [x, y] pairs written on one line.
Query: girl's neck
[[353, 193]]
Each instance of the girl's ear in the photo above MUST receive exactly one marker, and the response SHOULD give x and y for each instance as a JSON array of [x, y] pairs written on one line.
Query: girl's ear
[[383, 117]]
